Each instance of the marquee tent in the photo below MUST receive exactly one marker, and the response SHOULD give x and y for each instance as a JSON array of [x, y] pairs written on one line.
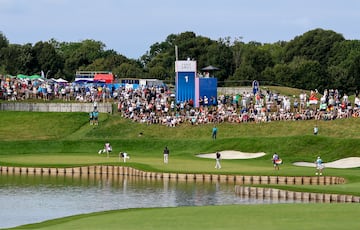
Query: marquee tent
[[107, 78], [32, 77], [60, 80]]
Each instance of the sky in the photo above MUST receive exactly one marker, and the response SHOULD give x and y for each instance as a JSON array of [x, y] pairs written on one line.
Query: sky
[[130, 27]]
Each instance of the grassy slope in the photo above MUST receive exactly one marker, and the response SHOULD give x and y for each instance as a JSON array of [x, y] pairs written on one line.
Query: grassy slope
[[66, 139]]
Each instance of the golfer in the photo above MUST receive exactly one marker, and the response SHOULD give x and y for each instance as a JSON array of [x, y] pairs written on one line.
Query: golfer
[[218, 158], [276, 161], [319, 166], [124, 156], [166, 155]]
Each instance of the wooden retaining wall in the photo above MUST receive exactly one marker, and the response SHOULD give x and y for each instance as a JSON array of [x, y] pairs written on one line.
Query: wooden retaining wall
[[55, 107], [240, 181], [277, 194], [128, 171]]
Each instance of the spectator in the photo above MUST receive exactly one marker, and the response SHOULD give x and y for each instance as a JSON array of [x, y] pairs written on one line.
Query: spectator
[[214, 132]]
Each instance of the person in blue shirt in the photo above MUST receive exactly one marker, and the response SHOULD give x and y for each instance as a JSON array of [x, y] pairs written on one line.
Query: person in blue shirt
[[214, 132], [96, 117], [319, 166], [91, 118]]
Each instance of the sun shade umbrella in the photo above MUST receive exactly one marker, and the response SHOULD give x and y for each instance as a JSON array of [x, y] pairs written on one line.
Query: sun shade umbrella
[[209, 68]]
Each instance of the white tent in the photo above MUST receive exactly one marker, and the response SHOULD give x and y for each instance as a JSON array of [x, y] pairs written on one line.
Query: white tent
[[60, 80]]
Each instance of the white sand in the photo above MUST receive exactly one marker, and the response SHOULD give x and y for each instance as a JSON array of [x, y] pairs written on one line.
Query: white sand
[[350, 162], [231, 154]]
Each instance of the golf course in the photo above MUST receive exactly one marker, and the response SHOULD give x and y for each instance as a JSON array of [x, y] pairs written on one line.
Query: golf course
[[51, 139]]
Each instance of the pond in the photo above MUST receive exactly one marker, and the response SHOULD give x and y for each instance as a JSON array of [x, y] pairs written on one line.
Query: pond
[[29, 199]]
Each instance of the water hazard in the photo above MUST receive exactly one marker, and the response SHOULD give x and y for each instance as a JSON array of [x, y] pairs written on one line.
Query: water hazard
[[29, 199]]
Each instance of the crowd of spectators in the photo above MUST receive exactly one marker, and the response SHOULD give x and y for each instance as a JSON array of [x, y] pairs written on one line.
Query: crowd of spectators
[[14, 89], [151, 105], [157, 105]]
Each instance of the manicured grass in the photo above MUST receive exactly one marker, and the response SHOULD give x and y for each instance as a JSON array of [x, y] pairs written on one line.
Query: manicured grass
[[66, 139], [270, 217], [77, 143], [35, 126]]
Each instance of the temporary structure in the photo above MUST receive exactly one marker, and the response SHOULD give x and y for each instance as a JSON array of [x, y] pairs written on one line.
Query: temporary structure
[[210, 68], [32, 77], [60, 80], [107, 78]]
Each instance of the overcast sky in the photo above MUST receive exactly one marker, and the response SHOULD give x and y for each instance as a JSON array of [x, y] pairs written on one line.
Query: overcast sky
[[130, 27]]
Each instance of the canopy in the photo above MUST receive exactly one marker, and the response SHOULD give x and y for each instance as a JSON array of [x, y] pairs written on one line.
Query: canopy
[[209, 68], [60, 80], [108, 78], [32, 77]]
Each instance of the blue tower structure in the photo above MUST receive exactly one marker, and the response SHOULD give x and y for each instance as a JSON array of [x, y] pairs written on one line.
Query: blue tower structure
[[191, 87]]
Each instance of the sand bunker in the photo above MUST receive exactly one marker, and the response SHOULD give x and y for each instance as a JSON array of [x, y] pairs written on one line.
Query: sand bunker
[[350, 162], [231, 154]]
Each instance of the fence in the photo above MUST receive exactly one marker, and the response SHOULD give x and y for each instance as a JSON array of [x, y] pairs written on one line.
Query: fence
[[55, 107], [233, 90]]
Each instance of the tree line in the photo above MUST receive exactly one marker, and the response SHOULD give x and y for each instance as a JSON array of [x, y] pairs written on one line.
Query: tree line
[[318, 59]]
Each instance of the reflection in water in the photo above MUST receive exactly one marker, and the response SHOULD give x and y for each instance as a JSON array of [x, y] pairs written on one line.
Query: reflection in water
[[28, 199]]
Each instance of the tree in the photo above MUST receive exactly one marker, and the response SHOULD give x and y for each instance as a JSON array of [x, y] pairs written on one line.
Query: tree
[[254, 58], [109, 60], [15, 59], [158, 72], [276, 50], [257, 57], [343, 53], [79, 55], [342, 69], [314, 45], [244, 75], [127, 70], [307, 74], [316, 59], [3, 41], [338, 78], [219, 54], [46, 59], [284, 75], [354, 76]]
